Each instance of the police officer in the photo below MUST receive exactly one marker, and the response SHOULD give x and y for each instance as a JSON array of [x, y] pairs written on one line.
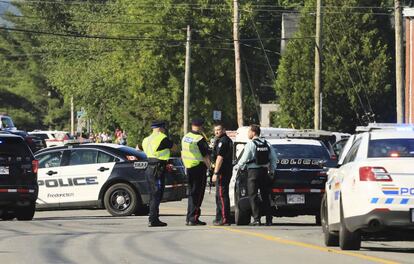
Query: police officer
[[195, 155], [157, 147], [258, 157], [223, 155]]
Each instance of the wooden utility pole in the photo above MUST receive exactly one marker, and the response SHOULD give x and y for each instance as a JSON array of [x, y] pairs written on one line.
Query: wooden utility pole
[[236, 40], [318, 50], [187, 78], [72, 116], [399, 79]]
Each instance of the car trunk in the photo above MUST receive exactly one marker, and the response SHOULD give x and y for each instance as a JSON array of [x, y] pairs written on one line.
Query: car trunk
[[15, 163], [300, 173]]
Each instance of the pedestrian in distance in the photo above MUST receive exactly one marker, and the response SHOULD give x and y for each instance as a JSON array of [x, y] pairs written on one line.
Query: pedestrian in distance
[[196, 158], [157, 147], [223, 167], [259, 158]]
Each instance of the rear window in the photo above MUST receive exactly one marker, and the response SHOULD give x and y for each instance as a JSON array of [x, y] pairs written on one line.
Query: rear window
[[293, 151], [14, 147], [128, 151], [395, 147]]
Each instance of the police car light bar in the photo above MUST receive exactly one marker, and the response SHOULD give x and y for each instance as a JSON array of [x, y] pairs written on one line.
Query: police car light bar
[[384, 126], [306, 133]]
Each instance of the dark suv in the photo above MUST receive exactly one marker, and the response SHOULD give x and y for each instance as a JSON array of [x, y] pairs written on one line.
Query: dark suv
[[18, 179]]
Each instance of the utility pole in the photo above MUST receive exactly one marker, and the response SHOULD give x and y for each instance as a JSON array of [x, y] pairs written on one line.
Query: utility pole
[[187, 78], [72, 116], [399, 61], [318, 50], [236, 40]]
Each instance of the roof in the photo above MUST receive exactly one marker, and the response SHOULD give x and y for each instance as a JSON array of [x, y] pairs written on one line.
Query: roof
[[384, 134], [46, 131], [7, 135], [294, 141]]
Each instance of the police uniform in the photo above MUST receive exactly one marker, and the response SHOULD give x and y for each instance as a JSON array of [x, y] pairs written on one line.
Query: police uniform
[[223, 147], [194, 148], [258, 178], [157, 148]]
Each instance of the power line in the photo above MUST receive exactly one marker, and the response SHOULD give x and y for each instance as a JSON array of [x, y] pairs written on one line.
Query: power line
[[128, 38]]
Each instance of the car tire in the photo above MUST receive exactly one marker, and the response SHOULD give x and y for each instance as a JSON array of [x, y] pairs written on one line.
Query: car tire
[[348, 240], [8, 215], [330, 239], [26, 213], [241, 217], [318, 220], [121, 200]]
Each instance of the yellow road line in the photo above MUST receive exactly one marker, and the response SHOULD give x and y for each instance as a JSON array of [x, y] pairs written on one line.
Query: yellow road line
[[306, 245]]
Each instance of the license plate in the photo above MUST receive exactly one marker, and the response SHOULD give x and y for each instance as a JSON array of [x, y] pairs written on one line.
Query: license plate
[[4, 170], [412, 215], [295, 198]]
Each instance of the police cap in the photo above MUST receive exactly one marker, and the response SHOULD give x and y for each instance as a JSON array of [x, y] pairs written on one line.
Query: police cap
[[197, 122], [157, 124]]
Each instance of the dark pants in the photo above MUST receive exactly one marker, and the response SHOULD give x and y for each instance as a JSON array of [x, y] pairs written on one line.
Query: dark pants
[[222, 196], [258, 179], [156, 181], [197, 180]]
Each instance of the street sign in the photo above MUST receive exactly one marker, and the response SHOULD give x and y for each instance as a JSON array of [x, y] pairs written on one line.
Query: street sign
[[216, 115]]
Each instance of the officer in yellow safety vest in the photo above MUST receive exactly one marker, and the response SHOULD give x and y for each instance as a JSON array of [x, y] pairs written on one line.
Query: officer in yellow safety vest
[[196, 158], [157, 147]]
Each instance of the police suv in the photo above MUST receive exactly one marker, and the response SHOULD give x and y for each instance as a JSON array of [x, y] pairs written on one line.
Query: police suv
[[101, 176], [300, 176], [371, 195]]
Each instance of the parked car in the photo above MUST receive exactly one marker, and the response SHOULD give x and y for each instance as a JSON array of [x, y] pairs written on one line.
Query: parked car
[[18, 179], [371, 195], [100, 176], [300, 176], [53, 138]]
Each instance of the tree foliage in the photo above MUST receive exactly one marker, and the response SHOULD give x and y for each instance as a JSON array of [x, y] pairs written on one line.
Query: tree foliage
[[357, 74]]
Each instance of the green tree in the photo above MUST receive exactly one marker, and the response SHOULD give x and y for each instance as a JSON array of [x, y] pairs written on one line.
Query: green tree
[[357, 67]]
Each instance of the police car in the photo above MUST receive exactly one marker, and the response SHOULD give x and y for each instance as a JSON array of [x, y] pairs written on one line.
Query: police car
[[371, 194], [18, 175], [101, 176], [299, 179]]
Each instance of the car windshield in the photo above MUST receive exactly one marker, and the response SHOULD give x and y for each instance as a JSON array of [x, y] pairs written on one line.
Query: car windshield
[[13, 147], [391, 147], [6, 122], [299, 151]]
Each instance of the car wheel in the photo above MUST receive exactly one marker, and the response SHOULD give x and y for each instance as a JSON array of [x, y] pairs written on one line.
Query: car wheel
[[121, 200], [26, 213], [8, 215], [348, 240], [241, 217], [318, 219], [330, 239]]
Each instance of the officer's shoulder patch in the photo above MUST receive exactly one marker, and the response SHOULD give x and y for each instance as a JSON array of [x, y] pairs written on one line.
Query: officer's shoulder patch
[[220, 144]]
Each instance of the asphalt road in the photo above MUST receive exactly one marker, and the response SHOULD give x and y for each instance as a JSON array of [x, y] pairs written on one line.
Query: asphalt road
[[92, 236]]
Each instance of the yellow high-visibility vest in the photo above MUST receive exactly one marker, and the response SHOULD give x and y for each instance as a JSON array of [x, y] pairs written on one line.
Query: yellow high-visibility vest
[[190, 153], [151, 144]]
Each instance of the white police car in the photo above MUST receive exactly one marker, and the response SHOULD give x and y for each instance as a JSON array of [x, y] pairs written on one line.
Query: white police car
[[371, 194], [99, 176]]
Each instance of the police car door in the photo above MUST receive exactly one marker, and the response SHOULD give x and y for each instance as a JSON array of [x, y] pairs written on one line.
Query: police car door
[[83, 178], [48, 175]]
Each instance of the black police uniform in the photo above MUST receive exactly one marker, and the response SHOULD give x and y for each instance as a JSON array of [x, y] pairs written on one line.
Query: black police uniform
[[157, 183], [197, 181], [223, 147]]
